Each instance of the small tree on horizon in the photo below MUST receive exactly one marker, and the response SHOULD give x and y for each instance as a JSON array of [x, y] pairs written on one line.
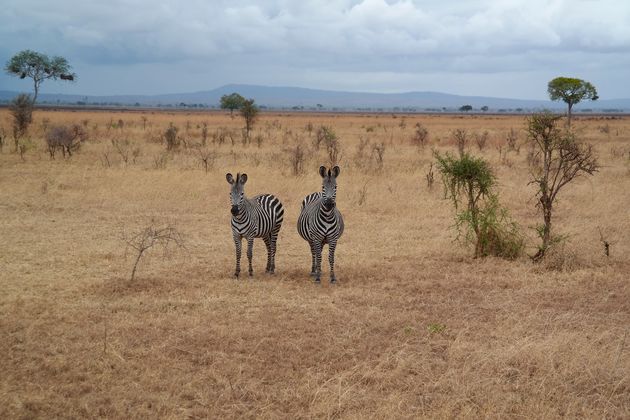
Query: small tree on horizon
[[571, 91], [249, 112], [465, 108], [232, 101], [39, 67]]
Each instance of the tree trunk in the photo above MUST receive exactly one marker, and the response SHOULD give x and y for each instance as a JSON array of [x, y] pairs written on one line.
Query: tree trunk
[[569, 115]]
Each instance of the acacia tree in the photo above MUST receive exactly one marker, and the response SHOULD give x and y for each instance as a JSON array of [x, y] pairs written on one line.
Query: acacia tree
[[249, 111], [232, 102], [571, 91], [39, 67], [562, 158]]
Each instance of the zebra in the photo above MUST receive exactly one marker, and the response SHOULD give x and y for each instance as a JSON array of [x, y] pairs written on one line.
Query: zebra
[[257, 217], [320, 222]]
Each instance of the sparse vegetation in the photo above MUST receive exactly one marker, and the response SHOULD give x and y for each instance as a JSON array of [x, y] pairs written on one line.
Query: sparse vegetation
[[413, 322], [22, 112]]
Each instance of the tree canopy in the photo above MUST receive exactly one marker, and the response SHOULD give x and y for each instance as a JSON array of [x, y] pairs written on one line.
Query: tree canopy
[[232, 102], [571, 91], [39, 67]]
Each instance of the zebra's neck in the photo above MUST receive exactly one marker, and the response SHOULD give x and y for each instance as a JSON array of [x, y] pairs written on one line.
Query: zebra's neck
[[244, 214]]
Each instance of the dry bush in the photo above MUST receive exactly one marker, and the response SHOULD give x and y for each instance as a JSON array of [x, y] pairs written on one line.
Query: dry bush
[[149, 237], [296, 157], [430, 177], [205, 155], [21, 109], [511, 139], [378, 152], [125, 149], [171, 138], [481, 140], [65, 137], [420, 136], [3, 136], [461, 140]]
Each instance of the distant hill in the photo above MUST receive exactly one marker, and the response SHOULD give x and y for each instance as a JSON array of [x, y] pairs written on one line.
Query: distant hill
[[294, 97]]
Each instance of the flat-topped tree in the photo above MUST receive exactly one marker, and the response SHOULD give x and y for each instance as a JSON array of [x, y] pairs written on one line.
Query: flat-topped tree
[[39, 67], [571, 91]]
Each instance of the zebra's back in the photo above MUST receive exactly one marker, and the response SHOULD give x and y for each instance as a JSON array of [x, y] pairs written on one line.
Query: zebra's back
[[265, 217]]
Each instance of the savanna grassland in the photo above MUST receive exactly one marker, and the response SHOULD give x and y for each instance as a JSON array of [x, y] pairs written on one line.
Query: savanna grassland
[[415, 327]]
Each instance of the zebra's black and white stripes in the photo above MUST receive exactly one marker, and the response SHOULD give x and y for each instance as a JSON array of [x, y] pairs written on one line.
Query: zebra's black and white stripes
[[320, 222], [258, 217]]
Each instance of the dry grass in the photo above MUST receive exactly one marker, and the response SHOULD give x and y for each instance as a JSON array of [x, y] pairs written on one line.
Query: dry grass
[[415, 327]]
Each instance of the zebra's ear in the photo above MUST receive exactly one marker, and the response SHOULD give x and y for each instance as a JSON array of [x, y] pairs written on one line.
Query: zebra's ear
[[322, 171], [243, 178], [229, 178], [335, 171]]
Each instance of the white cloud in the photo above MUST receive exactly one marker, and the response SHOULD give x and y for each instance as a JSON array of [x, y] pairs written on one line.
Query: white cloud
[[342, 37]]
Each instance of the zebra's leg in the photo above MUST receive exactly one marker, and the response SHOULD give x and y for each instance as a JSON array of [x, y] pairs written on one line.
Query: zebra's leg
[[237, 242], [313, 259], [331, 259], [250, 254], [318, 260], [268, 243], [274, 243]]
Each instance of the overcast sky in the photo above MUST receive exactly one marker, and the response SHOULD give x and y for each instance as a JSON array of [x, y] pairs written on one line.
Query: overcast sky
[[502, 48]]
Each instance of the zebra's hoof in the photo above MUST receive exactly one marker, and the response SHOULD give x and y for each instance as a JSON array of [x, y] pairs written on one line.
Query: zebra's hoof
[[333, 281], [313, 274], [317, 281]]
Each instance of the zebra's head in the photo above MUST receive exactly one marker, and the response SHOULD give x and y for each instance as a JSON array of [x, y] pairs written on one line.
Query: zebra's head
[[237, 193], [329, 186]]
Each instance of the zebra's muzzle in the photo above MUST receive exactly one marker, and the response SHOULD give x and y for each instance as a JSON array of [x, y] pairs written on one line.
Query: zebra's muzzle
[[234, 210], [329, 204]]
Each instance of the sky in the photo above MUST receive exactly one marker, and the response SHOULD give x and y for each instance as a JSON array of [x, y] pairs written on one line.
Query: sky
[[500, 48]]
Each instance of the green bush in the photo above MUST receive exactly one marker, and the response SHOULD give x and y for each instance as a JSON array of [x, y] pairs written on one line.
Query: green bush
[[484, 223]]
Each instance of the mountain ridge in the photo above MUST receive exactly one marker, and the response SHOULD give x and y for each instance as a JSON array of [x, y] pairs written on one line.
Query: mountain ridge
[[299, 97]]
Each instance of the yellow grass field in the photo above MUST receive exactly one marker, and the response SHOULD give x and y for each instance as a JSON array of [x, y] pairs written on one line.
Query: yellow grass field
[[415, 327]]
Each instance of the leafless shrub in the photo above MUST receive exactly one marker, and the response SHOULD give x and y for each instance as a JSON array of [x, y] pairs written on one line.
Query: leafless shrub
[[170, 137], [604, 242], [150, 237], [105, 161], [45, 123], [258, 138], [144, 120], [378, 152], [206, 157], [2, 138], [160, 160], [125, 149], [65, 137], [619, 152], [21, 109], [309, 128], [511, 139], [204, 133], [605, 129], [297, 156], [121, 124], [362, 195], [430, 177], [331, 142], [420, 136], [481, 140], [564, 157], [461, 140]]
